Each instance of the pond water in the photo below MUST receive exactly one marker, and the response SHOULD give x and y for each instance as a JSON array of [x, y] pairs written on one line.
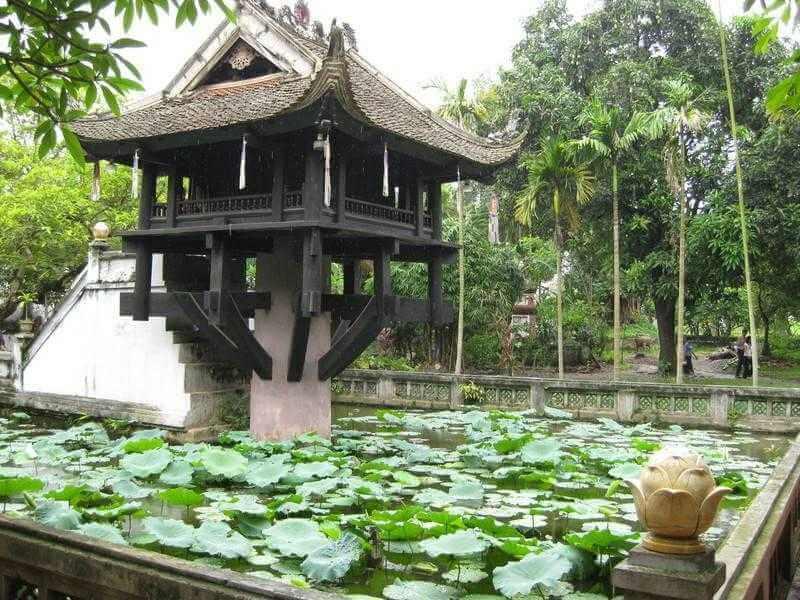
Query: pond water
[[403, 505]]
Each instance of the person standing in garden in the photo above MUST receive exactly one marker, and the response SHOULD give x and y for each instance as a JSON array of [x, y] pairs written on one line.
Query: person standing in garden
[[739, 347], [688, 355], [748, 357]]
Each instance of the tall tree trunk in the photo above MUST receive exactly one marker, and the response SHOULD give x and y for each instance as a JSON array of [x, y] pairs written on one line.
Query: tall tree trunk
[[751, 313], [460, 332], [617, 292], [679, 354], [559, 285], [665, 321]]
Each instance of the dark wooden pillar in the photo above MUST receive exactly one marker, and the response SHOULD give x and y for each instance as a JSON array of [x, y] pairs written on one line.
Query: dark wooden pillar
[[311, 296], [144, 253], [341, 189], [278, 178], [352, 277], [435, 207], [174, 186], [221, 266], [313, 185], [148, 196], [435, 291]]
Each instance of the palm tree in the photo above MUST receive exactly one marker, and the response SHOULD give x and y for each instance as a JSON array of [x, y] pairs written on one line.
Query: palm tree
[[467, 113], [680, 116], [556, 175], [610, 136], [740, 189]]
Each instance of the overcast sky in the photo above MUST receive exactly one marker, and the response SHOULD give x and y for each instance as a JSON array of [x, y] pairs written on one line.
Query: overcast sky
[[412, 42]]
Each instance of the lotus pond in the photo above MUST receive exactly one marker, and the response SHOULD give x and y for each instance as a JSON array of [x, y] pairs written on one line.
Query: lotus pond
[[402, 505]]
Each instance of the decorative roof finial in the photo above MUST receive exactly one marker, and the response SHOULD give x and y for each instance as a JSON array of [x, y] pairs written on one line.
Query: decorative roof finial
[[336, 44]]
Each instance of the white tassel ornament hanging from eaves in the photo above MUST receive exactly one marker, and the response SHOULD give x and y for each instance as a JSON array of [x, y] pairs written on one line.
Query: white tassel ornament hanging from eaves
[[135, 175], [96, 182], [385, 170], [243, 165], [327, 152]]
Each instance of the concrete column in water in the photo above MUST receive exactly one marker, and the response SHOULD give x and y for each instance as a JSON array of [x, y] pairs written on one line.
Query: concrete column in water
[[280, 409]]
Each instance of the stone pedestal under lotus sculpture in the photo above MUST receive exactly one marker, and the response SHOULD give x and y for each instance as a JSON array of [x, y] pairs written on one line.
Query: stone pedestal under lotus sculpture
[[676, 500]]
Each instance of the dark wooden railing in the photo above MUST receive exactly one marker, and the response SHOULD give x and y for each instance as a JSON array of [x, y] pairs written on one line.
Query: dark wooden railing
[[293, 199], [39, 563], [378, 211], [260, 203], [245, 203]]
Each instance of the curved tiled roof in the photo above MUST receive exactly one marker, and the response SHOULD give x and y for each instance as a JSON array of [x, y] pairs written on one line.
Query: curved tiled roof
[[362, 90]]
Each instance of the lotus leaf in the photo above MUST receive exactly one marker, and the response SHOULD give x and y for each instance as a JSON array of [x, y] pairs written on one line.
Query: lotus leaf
[[128, 489], [626, 471], [313, 470], [465, 574], [529, 574], [602, 542], [217, 539], [14, 486], [58, 514], [179, 472], [142, 445], [266, 473], [406, 479], [146, 464], [547, 450], [181, 497], [332, 561], [295, 537], [461, 543], [418, 590], [468, 493], [221, 462], [104, 532], [170, 532]]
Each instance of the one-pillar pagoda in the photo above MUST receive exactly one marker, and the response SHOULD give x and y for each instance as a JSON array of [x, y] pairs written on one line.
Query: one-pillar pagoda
[[276, 145]]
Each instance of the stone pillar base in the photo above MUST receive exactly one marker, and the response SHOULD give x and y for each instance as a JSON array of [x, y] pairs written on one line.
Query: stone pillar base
[[647, 575], [282, 409]]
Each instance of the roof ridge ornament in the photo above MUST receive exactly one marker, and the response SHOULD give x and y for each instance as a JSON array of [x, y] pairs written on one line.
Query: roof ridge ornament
[[336, 47]]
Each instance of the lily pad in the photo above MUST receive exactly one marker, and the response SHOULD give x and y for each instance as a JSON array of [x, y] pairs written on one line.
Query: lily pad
[[104, 532], [170, 532], [295, 537], [533, 571], [332, 561], [461, 543], [217, 539], [418, 590], [146, 464], [221, 462]]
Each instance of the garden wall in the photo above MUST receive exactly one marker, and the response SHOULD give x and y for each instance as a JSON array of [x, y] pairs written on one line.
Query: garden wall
[[762, 409]]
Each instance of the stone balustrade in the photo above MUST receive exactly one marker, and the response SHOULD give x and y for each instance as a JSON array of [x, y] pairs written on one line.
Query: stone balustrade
[[761, 409]]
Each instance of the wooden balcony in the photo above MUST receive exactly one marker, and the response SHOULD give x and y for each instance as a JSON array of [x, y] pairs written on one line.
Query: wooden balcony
[[259, 207]]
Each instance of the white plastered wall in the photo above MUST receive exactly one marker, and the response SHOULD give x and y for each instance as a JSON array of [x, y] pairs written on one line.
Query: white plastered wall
[[88, 350]]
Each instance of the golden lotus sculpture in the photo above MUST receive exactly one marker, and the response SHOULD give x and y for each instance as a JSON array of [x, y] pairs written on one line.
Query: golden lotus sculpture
[[676, 500]]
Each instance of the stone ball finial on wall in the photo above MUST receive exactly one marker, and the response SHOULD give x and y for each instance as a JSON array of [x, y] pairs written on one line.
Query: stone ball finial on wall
[[101, 231], [676, 500]]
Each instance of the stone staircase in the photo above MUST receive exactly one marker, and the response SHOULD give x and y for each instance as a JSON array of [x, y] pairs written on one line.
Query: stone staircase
[[209, 379]]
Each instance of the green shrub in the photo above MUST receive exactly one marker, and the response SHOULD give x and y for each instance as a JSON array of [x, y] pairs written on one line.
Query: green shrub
[[472, 393], [482, 351], [382, 362]]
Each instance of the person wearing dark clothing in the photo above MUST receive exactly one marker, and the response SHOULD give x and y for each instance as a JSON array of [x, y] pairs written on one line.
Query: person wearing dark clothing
[[748, 358], [688, 354], [739, 347]]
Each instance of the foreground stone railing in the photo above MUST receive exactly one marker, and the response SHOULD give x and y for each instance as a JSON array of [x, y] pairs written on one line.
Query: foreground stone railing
[[766, 409], [762, 553], [49, 564]]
